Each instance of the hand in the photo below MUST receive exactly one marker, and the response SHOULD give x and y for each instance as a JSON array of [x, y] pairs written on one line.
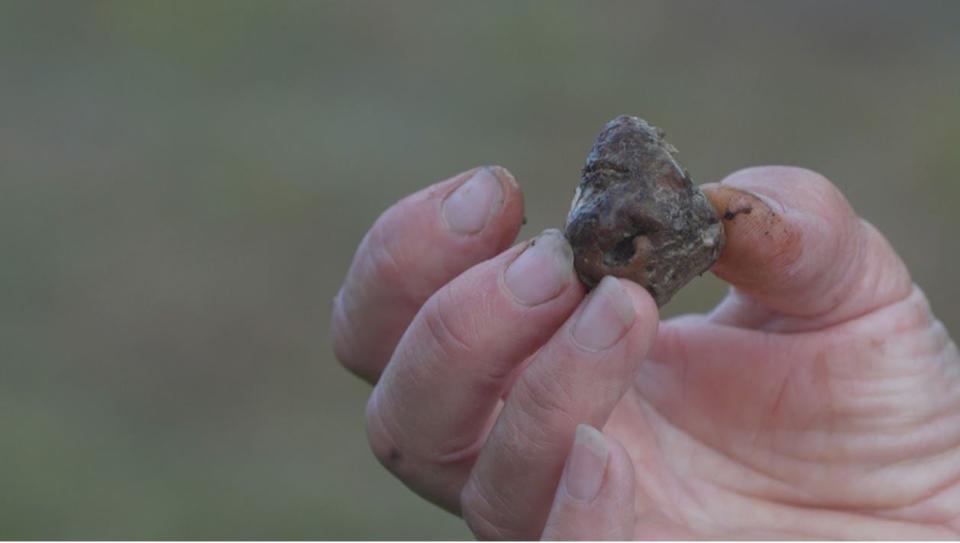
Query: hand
[[820, 399]]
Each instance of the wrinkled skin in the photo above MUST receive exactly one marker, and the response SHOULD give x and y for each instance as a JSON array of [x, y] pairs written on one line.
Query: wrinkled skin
[[820, 399]]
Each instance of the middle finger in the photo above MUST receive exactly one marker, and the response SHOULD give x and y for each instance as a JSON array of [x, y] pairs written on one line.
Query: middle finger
[[431, 409]]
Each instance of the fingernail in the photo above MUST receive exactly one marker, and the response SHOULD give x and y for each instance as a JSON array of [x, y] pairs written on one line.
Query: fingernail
[[607, 316], [730, 202], [583, 476], [542, 269], [468, 209]]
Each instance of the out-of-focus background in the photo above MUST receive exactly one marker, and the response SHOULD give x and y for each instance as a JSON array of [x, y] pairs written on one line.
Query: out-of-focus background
[[182, 185]]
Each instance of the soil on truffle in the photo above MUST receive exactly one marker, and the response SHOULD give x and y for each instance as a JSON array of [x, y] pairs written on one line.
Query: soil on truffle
[[637, 214]]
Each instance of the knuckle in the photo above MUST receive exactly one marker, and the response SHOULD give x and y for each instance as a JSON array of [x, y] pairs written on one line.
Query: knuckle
[[347, 348], [381, 440], [385, 258], [484, 515], [544, 399], [342, 336], [397, 257], [541, 422], [449, 331]]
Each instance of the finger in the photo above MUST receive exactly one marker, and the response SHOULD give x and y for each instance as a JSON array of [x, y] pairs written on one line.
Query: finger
[[595, 497], [414, 248], [578, 376], [797, 253], [434, 404]]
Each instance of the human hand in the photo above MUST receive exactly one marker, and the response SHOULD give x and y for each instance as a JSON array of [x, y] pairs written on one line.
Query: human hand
[[819, 399]]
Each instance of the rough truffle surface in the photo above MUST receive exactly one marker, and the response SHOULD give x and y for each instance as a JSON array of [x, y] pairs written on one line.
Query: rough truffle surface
[[636, 213]]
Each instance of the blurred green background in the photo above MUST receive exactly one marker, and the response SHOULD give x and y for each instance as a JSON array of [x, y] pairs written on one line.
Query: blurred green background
[[182, 185]]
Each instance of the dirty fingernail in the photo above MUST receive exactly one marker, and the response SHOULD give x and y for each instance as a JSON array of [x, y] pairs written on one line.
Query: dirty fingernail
[[608, 315], [542, 269], [730, 202], [468, 209], [583, 476]]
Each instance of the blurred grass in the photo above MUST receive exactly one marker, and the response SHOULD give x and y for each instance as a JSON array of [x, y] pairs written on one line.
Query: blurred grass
[[182, 185]]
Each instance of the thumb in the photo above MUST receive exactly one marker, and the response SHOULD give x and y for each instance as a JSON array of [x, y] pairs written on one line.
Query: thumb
[[797, 254], [595, 497]]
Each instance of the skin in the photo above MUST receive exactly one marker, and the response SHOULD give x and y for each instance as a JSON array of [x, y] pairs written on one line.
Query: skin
[[819, 399]]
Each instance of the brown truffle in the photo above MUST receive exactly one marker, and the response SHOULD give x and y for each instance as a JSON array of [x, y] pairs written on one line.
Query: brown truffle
[[637, 214]]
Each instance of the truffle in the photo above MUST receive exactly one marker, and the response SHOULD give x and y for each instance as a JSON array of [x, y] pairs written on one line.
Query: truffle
[[637, 214]]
